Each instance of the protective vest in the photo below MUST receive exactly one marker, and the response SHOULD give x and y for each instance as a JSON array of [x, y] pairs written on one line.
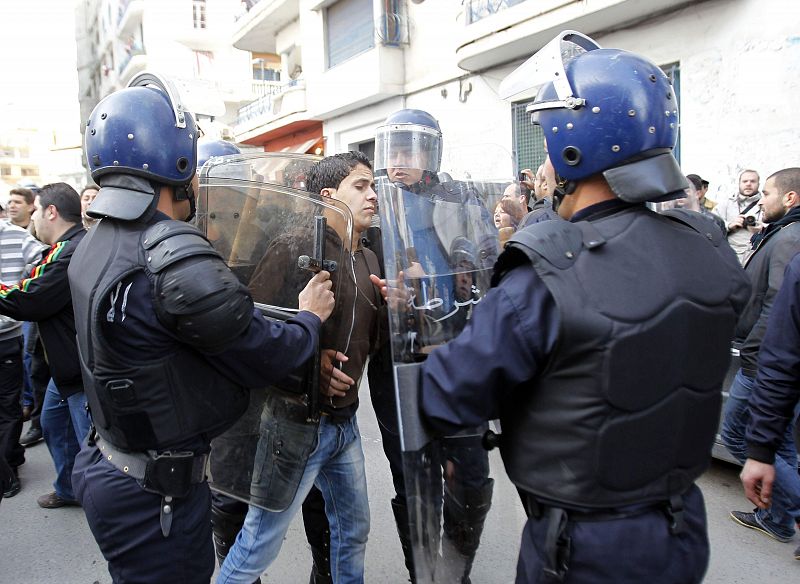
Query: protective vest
[[626, 409], [136, 404]]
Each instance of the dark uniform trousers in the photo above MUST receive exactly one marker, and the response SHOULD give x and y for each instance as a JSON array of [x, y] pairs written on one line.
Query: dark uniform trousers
[[638, 549], [11, 375], [125, 521]]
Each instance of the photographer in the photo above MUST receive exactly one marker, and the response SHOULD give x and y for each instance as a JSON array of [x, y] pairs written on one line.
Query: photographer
[[741, 213]]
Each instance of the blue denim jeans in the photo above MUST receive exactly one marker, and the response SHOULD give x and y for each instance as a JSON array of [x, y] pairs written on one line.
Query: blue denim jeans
[[65, 424], [785, 509], [336, 467]]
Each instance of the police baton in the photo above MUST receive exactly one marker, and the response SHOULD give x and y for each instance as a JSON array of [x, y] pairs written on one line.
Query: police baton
[[316, 264]]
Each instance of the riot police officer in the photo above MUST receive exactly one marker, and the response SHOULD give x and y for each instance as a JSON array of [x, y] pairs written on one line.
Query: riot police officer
[[595, 329], [168, 338], [444, 270], [227, 513]]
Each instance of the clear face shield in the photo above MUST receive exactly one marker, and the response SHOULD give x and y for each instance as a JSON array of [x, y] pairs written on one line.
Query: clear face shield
[[407, 146], [548, 65]]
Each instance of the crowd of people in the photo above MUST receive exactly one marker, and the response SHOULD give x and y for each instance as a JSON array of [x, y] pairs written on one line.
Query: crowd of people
[[142, 360]]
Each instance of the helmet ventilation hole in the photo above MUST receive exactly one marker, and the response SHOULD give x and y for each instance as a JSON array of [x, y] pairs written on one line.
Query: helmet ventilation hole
[[571, 155], [183, 164]]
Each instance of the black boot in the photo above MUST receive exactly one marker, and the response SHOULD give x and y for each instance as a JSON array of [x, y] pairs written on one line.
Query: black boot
[[321, 567], [400, 511], [464, 514], [226, 526], [318, 535]]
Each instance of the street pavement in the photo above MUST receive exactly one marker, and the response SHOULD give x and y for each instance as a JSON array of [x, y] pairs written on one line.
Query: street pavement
[[40, 546]]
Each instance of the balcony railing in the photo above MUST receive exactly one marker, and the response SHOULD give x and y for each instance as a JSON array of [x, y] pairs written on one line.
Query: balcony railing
[[475, 10], [266, 88], [130, 52], [264, 105], [129, 16], [121, 8], [245, 7]]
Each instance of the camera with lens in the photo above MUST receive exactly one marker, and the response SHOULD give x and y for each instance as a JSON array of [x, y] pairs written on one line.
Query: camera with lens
[[749, 221]]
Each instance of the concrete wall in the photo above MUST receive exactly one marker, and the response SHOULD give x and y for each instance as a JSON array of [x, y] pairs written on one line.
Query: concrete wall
[[740, 84]]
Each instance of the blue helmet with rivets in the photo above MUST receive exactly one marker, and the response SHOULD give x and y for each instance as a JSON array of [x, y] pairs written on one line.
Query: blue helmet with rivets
[[209, 148], [629, 109], [141, 131], [604, 111]]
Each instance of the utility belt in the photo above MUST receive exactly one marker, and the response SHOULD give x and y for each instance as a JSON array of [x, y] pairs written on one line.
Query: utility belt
[[558, 543], [169, 474]]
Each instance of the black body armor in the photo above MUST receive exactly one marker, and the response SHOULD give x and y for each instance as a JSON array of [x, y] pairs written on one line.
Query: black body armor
[[141, 405], [626, 410]]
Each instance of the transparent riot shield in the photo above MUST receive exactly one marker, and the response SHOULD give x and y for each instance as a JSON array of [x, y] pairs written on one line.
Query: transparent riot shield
[[274, 236], [440, 245]]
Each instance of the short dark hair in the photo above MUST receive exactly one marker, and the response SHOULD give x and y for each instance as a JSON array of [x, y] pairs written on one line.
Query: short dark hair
[[89, 187], [787, 180], [64, 198], [696, 181], [329, 172], [525, 192], [26, 194]]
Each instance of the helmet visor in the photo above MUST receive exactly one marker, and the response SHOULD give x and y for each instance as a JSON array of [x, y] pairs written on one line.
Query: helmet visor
[[548, 65], [407, 146]]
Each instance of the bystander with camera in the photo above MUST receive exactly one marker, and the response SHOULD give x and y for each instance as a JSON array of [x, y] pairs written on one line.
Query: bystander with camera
[[741, 213]]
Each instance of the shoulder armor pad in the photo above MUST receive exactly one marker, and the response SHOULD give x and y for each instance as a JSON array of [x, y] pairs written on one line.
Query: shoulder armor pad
[[703, 225], [540, 214], [203, 302], [453, 187], [451, 191], [167, 242], [559, 243]]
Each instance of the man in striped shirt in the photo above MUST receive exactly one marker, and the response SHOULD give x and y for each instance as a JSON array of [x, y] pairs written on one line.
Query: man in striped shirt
[[20, 206], [19, 251]]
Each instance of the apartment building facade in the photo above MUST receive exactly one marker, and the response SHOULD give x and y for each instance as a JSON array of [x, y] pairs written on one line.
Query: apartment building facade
[[344, 65], [319, 76], [187, 40]]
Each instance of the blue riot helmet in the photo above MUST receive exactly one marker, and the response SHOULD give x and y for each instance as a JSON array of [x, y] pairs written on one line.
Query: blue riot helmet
[[463, 253], [409, 139], [138, 138], [30, 185], [603, 111], [209, 148]]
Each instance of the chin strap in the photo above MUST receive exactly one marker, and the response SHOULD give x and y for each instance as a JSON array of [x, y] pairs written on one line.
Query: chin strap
[[186, 192], [563, 188]]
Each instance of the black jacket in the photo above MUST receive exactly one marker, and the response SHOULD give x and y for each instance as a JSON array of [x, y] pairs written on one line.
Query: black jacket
[[353, 326], [44, 297], [777, 389], [779, 243]]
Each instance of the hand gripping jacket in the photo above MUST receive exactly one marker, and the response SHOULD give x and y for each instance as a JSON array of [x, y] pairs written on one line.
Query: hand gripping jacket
[[626, 410], [142, 404]]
